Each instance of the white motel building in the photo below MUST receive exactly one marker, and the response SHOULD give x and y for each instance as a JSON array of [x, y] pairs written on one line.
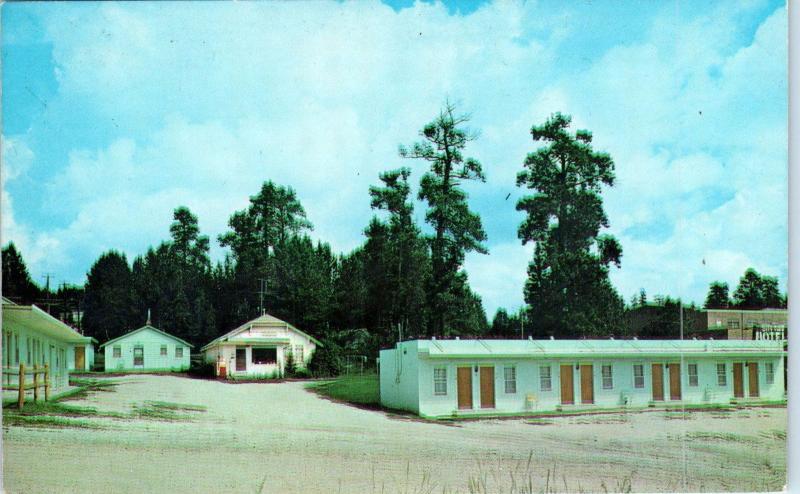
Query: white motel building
[[438, 378]]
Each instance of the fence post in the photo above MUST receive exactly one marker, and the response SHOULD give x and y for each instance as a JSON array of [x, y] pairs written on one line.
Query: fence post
[[35, 383], [21, 385], [46, 382]]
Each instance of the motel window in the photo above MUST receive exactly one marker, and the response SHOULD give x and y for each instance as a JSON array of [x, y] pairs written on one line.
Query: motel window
[[117, 352], [510, 374], [440, 381], [638, 376], [722, 377], [693, 380], [178, 352], [769, 369], [298, 354], [608, 377], [733, 324], [545, 381], [16, 349], [264, 355], [163, 350]]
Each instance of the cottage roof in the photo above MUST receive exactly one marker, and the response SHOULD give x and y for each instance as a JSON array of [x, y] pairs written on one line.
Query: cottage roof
[[265, 320], [35, 319], [147, 326], [577, 348]]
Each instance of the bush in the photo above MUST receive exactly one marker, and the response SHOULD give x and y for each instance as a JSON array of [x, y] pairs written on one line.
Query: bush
[[202, 369], [327, 360]]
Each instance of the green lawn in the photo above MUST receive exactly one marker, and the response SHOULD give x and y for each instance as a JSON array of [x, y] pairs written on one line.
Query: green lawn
[[356, 389]]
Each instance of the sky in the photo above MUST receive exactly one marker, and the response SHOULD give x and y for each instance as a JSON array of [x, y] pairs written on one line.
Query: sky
[[114, 114]]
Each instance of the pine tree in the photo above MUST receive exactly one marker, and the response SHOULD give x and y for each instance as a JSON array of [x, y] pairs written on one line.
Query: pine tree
[[457, 230], [568, 288]]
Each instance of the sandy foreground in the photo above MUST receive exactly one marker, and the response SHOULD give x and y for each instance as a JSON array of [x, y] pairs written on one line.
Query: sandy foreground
[[281, 438]]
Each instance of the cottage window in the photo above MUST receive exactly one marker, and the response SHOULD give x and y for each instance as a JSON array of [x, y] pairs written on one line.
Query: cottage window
[[164, 350], [28, 349], [545, 381], [117, 351], [733, 324], [693, 379], [608, 377], [298, 354], [178, 352], [264, 355], [769, 369], [16, 349], [440, 381], [638, 376], [722, 377], [510, 374]]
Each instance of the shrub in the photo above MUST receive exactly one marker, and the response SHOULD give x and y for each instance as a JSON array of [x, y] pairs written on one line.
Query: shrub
[[202, 369], [326, 360]]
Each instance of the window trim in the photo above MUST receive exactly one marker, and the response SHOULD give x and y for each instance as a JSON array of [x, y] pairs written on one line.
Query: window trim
[[635, 384], [769, 372], [440, 381], [164, 351], [179, 348], [510, 383], [116, 351], [548, 379], [722, 377], [610, 377], [689, 374]]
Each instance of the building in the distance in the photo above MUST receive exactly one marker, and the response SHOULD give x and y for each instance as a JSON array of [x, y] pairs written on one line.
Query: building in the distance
[[437, 378], [744, 324], [146, 349]]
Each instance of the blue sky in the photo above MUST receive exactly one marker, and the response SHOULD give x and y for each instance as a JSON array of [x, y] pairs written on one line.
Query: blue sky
[[116, 113]]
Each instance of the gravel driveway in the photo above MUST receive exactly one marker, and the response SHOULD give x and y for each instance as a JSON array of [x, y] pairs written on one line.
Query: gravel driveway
[[282, 438]]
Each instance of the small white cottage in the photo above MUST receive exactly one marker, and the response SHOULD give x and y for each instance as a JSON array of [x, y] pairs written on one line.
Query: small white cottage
[[146, 349], [438, 378], [259, 349]]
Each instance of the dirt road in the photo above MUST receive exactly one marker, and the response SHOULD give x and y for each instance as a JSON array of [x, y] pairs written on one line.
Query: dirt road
[[281, 438]]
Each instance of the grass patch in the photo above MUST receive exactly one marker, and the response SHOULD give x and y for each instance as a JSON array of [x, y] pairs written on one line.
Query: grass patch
[[164, 410], [363, 390]]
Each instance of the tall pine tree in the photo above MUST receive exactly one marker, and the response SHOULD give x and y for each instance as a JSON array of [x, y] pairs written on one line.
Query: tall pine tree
[[457, 230], [568, 288]]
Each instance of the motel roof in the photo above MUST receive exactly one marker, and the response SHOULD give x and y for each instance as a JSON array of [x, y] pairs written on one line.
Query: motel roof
[[35, 319], [577, 348]]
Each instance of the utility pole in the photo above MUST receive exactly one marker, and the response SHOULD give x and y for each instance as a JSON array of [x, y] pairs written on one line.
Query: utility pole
[[680, 305], [522, 323]]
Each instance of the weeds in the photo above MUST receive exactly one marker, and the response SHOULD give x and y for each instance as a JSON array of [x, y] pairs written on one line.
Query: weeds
[[162, 410]]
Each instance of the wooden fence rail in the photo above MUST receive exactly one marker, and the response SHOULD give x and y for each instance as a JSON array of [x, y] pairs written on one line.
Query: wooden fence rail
[[22, 386]]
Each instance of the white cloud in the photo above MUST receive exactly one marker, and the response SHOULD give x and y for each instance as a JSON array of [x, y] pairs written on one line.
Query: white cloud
[[214, 101]]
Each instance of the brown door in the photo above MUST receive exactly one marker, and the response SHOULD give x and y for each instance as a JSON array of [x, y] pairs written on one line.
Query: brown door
[[738, 380], [587, 384], [567, 385], [752, 374], [80, 358], [658, 382], [464, 388], [487, 387], [674, 381], [241, 359]]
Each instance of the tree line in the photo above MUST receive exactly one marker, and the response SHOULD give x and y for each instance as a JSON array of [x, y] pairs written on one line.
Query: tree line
[[405, 280]]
